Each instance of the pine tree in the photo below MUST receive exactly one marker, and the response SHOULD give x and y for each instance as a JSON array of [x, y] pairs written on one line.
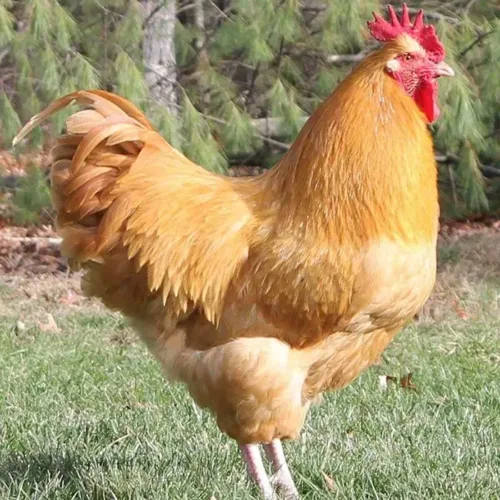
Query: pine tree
[[468, 131], [248, 73], [54, 47]]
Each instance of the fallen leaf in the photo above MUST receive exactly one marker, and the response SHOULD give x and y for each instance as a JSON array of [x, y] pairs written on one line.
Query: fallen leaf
[[330, 482], [20, 327], [406, 382], [350, 440], [50, 326], [71, 298], [463, 314]]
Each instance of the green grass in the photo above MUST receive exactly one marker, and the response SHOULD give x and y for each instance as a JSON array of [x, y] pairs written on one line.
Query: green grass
[[85, 414]]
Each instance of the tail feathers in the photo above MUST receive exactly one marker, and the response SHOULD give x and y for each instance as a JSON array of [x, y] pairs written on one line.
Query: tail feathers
[[104, 103], [101, 144]]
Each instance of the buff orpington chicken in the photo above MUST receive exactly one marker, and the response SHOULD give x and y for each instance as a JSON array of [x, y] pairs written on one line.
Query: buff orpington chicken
[[259, 294]]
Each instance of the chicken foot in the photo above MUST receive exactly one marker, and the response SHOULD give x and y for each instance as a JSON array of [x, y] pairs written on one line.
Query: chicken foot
[[282, 478], [255, 466]]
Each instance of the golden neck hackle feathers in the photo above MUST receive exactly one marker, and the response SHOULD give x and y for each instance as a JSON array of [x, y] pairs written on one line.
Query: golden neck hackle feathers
[[363, 166]]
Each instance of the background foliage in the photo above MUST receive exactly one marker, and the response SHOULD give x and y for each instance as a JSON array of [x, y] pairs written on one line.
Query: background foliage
[[246, 74]]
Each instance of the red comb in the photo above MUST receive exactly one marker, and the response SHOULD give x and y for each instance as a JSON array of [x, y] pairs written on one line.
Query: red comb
[[424, 34]]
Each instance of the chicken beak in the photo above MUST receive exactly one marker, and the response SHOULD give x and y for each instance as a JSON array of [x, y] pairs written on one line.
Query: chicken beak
[[443, 69]]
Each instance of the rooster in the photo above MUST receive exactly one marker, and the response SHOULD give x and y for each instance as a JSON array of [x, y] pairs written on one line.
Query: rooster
[[262, 293]]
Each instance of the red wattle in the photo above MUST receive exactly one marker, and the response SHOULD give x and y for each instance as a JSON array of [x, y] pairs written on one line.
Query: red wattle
[[426, 98]]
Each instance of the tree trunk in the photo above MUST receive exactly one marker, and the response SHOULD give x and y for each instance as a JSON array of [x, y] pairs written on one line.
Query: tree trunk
[[199, 22], [159, 52]]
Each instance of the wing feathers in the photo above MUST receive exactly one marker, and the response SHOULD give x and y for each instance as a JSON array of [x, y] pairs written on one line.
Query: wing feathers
[[135, 211]]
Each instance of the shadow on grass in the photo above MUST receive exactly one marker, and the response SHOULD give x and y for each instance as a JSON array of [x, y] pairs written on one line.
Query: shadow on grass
[[34, 469], [36, 474]]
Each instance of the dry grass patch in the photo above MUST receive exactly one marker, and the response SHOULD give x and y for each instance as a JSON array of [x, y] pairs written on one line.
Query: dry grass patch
[[468, 280]]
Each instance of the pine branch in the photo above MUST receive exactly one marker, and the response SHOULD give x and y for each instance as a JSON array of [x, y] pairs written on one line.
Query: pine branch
[[437, 16], [257, 69], [451, 159], [481, 36], [430, 14], [453, 184], [219, 10], [263, 137], [280, 53], [469, 6], [160, 6], [346, 58], [186, 8], [257, 123], [271, 127], [252, 83]]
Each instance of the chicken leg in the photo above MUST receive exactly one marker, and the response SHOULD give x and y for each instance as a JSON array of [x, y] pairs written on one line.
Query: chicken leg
[[255, 466], [282, 478]]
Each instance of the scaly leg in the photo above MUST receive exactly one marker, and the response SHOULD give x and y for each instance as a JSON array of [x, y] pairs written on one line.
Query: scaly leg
[[282, 477], [256, 470]]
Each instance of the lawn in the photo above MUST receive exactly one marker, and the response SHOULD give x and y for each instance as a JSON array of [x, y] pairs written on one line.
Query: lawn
[[85, 413]]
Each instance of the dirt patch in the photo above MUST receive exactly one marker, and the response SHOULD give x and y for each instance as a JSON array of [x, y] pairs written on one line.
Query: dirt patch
[[34, 299], [30, 251]]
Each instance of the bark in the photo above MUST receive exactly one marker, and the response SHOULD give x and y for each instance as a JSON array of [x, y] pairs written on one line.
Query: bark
[[199, 22], [159, 52]]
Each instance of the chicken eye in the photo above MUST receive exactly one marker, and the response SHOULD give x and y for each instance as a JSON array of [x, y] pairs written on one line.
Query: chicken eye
[[407, 57]]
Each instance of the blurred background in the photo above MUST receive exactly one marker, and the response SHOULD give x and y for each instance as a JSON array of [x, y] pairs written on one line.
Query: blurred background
[[231, 82]]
